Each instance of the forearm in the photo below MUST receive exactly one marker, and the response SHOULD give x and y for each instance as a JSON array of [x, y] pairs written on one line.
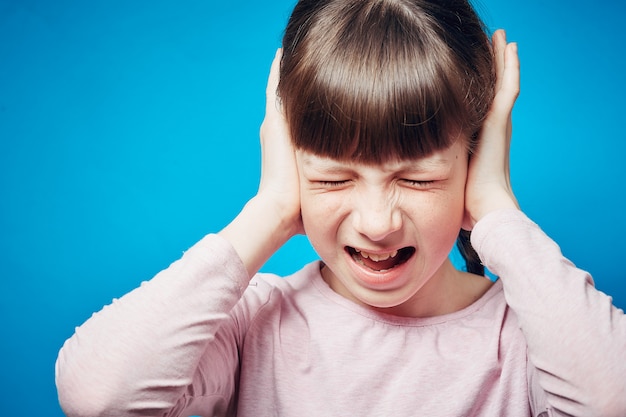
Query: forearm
[[140, 353], [576, 337], [257, 232]]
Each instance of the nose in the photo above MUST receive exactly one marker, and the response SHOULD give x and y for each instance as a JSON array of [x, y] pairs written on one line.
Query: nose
[[376, 215]]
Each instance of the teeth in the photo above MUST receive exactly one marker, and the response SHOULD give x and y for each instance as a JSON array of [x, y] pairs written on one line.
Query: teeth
[[378, 257]]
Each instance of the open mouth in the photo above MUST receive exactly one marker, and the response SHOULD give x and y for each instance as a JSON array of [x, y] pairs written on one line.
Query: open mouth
[[381, 262]]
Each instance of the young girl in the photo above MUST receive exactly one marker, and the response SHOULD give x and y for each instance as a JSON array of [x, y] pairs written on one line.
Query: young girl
[[389, 136]]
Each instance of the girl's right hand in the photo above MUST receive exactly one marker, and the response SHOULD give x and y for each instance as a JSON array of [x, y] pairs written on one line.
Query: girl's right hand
[[279, 173], [272, 216]]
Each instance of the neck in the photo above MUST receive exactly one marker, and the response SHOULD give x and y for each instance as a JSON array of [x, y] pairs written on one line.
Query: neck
[[447, 291], [441, 294]]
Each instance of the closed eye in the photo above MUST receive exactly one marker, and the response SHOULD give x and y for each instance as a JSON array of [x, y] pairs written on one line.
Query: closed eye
[[418, 183], [332, 184]]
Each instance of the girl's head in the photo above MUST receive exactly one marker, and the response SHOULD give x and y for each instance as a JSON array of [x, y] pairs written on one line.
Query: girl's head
[[377, 80], [373, 81]]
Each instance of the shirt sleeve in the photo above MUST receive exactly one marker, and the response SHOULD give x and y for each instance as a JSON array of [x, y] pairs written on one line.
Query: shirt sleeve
[[576, 337], [141, 354]]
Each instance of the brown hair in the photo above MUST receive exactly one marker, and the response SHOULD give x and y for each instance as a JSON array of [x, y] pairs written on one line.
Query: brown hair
[[376, 79], [373, 80]]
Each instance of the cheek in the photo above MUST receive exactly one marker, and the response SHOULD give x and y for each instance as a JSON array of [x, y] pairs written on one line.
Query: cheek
[[455, 207], [438, 219], [451, 204], [319, 213], [452, 211], [320, 225], [309, 216]]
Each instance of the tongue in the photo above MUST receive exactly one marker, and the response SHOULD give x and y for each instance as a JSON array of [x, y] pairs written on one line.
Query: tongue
[[378, 266]]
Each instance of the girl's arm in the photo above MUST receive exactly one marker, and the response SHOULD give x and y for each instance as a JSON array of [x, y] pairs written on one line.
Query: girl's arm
[[141, 354], [273, 215], [138, 356], [576, 337]]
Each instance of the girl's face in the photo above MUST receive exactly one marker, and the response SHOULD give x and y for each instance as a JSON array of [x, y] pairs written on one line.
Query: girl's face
[[384, 231]]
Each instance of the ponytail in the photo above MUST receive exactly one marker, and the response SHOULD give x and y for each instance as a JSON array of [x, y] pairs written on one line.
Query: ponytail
[[472, 261]]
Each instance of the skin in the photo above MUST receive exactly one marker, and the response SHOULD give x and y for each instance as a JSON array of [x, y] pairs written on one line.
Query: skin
[[379, 209]]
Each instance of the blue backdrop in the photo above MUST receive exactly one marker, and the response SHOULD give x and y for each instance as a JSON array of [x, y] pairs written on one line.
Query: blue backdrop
[[128, 130]]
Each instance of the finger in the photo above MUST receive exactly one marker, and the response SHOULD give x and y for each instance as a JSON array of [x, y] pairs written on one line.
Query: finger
[[498, 124], [511, 74], [499, 46], [273, 122], [272, 82], [509, 81]]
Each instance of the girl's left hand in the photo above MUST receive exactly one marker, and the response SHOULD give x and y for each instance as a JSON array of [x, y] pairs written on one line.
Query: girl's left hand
[[488, 185]]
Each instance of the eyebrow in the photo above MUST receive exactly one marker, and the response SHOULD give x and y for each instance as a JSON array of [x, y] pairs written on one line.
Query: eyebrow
[[434, 162], [325, 164], [331, 166]]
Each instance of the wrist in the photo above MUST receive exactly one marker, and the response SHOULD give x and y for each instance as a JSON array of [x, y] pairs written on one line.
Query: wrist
[[258, 231], [494, 202]]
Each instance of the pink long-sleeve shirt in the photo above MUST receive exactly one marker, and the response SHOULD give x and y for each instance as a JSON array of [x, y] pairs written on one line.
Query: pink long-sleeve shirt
[[201, 339]]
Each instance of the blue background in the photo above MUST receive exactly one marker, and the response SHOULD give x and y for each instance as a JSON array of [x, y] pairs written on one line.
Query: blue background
[[128, 130]]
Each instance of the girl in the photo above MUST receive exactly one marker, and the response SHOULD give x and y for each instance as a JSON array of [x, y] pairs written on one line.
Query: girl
[[389, 136]]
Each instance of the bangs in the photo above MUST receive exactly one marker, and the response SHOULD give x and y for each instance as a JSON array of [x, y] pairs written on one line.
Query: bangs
[[376, 91]]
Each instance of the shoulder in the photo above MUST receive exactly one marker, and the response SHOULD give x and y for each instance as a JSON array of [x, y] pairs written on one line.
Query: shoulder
[[269, 293], [491, 313], [284, 286]]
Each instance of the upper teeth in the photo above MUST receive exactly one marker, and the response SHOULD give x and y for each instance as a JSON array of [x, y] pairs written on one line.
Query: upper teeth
[[378, 257]]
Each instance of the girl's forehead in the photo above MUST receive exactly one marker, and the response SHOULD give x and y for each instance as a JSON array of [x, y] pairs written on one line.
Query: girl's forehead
[[436, 160]]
